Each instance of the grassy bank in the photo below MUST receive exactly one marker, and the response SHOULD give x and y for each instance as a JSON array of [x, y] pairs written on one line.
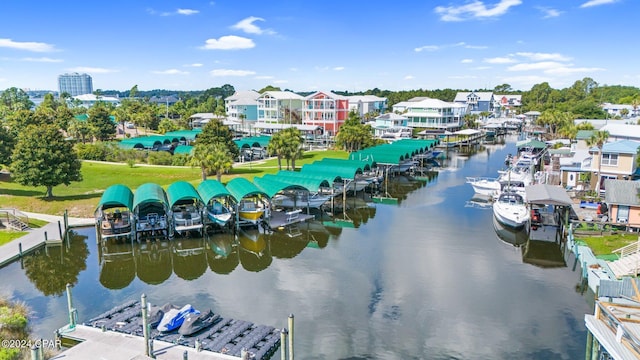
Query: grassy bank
[[81, 198], [605, 245], [13, 326], [7, 235]]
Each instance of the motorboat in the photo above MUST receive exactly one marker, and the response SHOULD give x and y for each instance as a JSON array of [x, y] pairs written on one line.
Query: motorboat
[[515, 237], [174, 318], [113, 215], [511, 210], [187, 218], [250, 212], [300, 199], [187, 208], [219, 213], [195, 322]]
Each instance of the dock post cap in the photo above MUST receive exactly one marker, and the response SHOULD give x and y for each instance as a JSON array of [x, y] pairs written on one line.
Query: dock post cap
[[284, 331], [290, 315]]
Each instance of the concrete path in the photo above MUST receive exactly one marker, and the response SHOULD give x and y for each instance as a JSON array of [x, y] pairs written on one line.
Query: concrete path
[[36, 237]]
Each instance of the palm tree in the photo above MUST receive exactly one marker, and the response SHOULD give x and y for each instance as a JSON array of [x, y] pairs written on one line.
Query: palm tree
[[278, 146], [221, 159], [598, 139], [294, 141], [201, 158]]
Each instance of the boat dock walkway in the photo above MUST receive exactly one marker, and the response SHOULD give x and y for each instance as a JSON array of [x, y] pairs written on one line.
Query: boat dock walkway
[[118, 334], [49, 233]]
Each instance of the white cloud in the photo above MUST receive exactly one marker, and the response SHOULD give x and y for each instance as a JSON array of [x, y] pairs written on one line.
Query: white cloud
[[186, 11], [94, 70], [597, 2], [42, 59], [543, 65], [409, 77], [548, 12], [482, 68], [566, 70], [264, 77], [338, 68], [543, 56], [171, 72], [193, 65], [427, 48], [466, 61], [528, 80], [281, 81], [228, 72], [475, 10], [439, 47], [247, 25], [27, 45], [229, 42], [500, 60]]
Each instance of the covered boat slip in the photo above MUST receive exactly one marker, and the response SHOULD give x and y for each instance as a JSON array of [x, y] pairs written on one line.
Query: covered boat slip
[[187, 207], [113, 213], [550, 207], [218, 202], [151, 210]]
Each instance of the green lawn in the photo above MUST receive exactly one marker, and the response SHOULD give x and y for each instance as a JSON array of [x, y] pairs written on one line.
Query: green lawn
[[604, 245], [81, 198], [8, 235]]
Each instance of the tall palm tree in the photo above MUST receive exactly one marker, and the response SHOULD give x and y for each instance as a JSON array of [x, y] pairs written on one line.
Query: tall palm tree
[[201, 158], [278, 146], [598, 139], [221, 159]]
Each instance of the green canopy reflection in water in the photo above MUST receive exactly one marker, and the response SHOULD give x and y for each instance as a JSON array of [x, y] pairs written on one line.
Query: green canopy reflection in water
[[117, 264], [189, 258], [154, 262], [222, 255]]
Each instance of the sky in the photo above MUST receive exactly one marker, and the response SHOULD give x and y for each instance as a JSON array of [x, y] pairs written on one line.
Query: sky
[[330, 45]]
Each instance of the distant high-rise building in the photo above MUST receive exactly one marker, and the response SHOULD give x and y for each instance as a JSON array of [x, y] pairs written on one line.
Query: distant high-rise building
[[75, 84]]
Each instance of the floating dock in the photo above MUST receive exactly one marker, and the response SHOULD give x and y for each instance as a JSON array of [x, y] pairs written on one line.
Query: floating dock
[[118, 334]]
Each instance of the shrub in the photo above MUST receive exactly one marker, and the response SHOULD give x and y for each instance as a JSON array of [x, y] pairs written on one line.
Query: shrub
[[180, 160], [97, 151], [159, 158], [12, 319]]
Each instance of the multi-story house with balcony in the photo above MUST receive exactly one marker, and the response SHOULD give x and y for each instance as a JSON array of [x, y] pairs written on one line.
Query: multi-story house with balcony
[[242, 107], [325, 109], [367, 106], [433, 114], [279, 107], [506, 105], [476, 102]]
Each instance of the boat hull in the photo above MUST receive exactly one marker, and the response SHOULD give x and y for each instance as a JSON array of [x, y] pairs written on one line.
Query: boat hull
[[252, 216], [513, 216]]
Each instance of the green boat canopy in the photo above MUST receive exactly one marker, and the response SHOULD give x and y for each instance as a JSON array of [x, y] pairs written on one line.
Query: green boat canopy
[[253, 141], [272, 186], [380, 156], [240, 188], [145, 142], [184, 135], [364, 165], [182, 191], [116, 196], [331, 171], [210, 189], [310, 182], [531, 143], [183, 149], [149, 193]]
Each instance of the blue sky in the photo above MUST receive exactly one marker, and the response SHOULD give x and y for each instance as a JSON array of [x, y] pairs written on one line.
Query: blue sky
[[327, 45]]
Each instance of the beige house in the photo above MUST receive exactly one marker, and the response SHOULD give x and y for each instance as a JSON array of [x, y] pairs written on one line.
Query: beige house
[[617, 161]]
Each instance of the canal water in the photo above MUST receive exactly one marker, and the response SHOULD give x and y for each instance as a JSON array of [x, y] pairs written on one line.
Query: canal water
[[428, 278]]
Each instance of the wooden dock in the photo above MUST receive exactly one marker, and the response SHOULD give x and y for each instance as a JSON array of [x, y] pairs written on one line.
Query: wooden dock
[[118, 334]]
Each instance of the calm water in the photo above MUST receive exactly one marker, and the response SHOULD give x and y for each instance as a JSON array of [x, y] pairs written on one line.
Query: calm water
[[426, 279]]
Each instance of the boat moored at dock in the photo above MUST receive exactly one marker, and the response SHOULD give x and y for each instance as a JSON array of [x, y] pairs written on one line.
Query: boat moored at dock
[[113, 214], [151, 211], [187, 208]]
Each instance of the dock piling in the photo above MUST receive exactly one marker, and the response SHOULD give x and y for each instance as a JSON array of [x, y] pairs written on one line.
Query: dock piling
[[46, 238], [185, 355], [291, 356], [145, 327], [283, 348], [244, 354], [20, 249], [60, 230], [34, 353], [72, 318]]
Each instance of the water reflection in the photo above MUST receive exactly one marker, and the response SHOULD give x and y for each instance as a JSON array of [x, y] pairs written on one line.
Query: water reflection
[[51, 268], [222, 254], [154, 261], [509, 235], [117, 265], [544, 254]]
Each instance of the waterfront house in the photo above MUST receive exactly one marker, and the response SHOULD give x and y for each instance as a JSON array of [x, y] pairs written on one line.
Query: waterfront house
[[279, 107], [618, 161], [506, 105], [623, 202], [617, 110], [434, 114], [88, 100], [367, 106], [619, 131], [326, 109], [242, 107], [476, 102]]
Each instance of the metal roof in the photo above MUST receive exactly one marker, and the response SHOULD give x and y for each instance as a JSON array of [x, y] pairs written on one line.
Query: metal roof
[[309, 182], [240, 188], [181, 191], [310, 176], [271, 185], [329, 170], [548, 195], [116, 196], [210, 189], [361, 164], [254, 141], [621, 147], [186, 134], [149, 193], [183, 149], [531, 143], [621, 192], [145, 141]]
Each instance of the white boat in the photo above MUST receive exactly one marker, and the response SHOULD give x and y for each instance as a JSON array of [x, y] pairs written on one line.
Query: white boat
[[511, 210], [484, 185], [494, 186], [187, 217], [219, 213], [300, 199]]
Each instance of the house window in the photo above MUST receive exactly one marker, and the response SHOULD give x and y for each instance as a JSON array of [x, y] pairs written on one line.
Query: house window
[[610, 159], [623, 214]]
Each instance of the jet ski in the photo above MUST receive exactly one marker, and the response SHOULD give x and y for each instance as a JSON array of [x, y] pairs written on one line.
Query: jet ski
[[195, 322], [174, 318], [157, 312]]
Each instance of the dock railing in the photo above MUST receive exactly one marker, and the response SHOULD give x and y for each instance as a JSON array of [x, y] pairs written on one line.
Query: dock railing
[[13, 217], [619, 327], [628, 249]]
